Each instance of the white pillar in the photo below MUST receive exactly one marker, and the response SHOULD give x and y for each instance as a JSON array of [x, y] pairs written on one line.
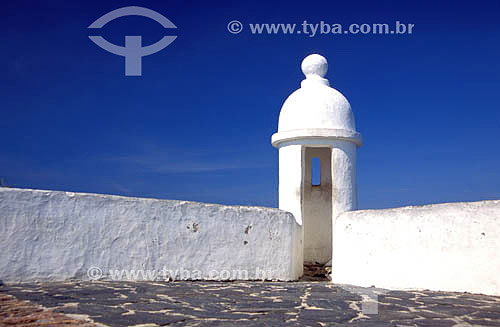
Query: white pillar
[[291, 194], [291, 180], [344, 190]]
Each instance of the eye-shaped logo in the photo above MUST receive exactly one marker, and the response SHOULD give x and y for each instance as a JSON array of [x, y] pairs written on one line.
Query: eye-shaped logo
[[133, 51]]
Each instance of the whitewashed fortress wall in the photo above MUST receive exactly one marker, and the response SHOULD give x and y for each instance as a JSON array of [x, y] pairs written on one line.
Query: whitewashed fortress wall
[[443, 247], [51, 235]]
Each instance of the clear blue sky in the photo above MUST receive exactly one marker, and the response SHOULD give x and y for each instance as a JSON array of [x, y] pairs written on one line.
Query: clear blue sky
[[197, 124]]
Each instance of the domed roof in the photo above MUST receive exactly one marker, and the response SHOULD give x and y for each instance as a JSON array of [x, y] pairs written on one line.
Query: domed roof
[[316, 110]]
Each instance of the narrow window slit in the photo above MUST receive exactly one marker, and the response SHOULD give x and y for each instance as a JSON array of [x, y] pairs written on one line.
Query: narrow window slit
[[316, 172]]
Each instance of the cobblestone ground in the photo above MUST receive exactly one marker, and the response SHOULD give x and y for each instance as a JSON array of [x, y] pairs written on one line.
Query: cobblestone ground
[[310, 303], [23, 313]]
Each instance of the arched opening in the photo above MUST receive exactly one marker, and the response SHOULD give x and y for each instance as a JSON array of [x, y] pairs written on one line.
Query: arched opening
[[317, 205]]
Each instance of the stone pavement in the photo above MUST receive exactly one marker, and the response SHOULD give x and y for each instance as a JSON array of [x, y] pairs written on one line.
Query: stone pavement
[[179, 303]]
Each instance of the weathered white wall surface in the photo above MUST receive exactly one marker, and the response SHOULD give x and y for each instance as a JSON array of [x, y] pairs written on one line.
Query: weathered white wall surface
[[448, 247], [51, 235]]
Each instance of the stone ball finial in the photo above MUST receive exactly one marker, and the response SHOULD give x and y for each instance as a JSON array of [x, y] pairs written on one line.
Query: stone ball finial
[[314, 64]]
